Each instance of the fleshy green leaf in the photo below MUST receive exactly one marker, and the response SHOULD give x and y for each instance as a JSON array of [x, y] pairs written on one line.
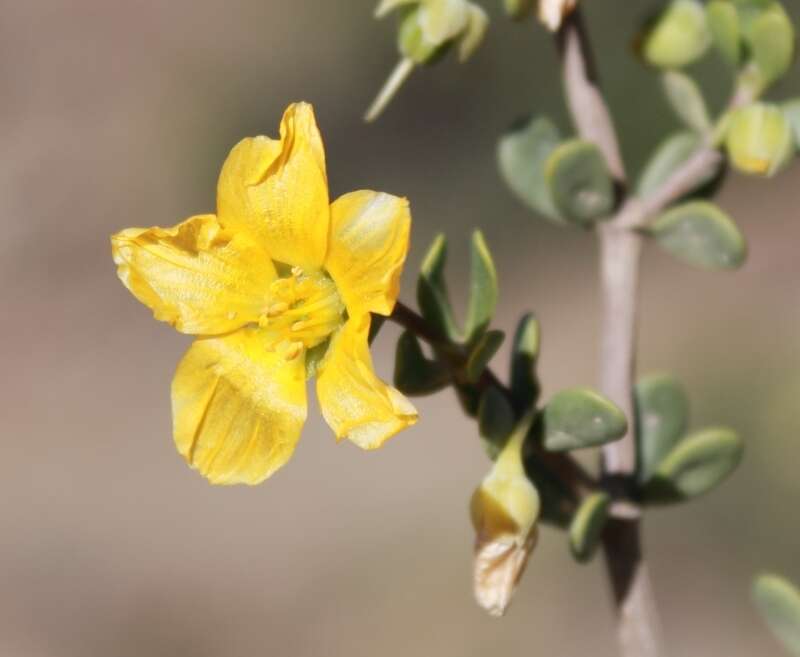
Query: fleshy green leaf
[[580, 417], [587, 525], [483, 288], [686, 100], [700, 234], [558, 500], [679, 37], [666, 160], [579, 182], [517, 9], [779, 604], [469, 395], [414, 374], [748, 11], [495, 420], [771, 41], [524, 382], [695, 466], [432, 297], [723, 23], [521, 156], [791, 110], [473, 35], [662, 415], [482, 352]]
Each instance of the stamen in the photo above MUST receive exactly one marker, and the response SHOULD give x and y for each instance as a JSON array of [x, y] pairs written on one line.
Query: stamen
[[277, 309], [302, 311], [292, 351]]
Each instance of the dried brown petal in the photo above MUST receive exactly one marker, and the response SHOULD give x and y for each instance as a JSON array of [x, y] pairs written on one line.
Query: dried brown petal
[[498, 566]]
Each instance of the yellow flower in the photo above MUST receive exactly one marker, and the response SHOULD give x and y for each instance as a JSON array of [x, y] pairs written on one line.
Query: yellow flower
[[280, 282]]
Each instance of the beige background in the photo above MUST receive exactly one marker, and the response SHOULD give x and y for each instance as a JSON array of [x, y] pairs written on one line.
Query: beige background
[[116, 114]]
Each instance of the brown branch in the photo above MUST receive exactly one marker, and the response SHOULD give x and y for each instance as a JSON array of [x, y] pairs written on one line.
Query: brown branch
[[584, 98], [620, 250]]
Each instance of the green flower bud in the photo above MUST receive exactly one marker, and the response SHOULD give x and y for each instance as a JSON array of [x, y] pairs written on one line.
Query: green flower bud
[[427, 30], [759, 139], [413, 41], [505, 510], [679, 37]]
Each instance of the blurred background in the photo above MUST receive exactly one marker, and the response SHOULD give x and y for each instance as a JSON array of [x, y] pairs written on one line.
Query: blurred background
[[118, 114]]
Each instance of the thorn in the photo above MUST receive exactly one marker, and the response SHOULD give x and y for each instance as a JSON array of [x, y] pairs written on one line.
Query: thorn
[[390, 88]]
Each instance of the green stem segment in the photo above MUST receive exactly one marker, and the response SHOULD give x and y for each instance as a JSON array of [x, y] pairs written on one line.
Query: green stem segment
[[561, 465]]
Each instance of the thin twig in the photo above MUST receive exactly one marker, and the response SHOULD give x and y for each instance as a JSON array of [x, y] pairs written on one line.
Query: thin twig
[[620, 249], [563, 466], [620, 252], [586, 104]]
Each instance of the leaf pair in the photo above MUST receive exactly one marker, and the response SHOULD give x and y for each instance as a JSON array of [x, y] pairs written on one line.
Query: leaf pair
[[755, 35], [498, 411], [434, 300], [567, 182], [671, 467], [753, 31], [473, 347]]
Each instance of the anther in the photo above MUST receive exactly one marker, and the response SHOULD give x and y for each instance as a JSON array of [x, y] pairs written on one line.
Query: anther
[[293, 350], [277, 309]]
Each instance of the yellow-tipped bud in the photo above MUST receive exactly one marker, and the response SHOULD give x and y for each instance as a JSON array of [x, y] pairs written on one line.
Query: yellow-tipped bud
[[505, 509], [759, 139]]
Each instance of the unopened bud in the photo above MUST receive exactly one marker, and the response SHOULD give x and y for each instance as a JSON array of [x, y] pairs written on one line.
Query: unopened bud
[[428, 29], [759, 139], [505, 509], [414, 41]]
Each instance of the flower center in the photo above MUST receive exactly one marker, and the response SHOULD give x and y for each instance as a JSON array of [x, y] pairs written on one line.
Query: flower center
[[304, 308]]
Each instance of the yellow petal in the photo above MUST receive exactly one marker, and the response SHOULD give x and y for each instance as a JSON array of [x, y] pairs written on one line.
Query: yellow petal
[[356, 404], [237, 409], [195, 276], [277, 190], [368, 246]]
